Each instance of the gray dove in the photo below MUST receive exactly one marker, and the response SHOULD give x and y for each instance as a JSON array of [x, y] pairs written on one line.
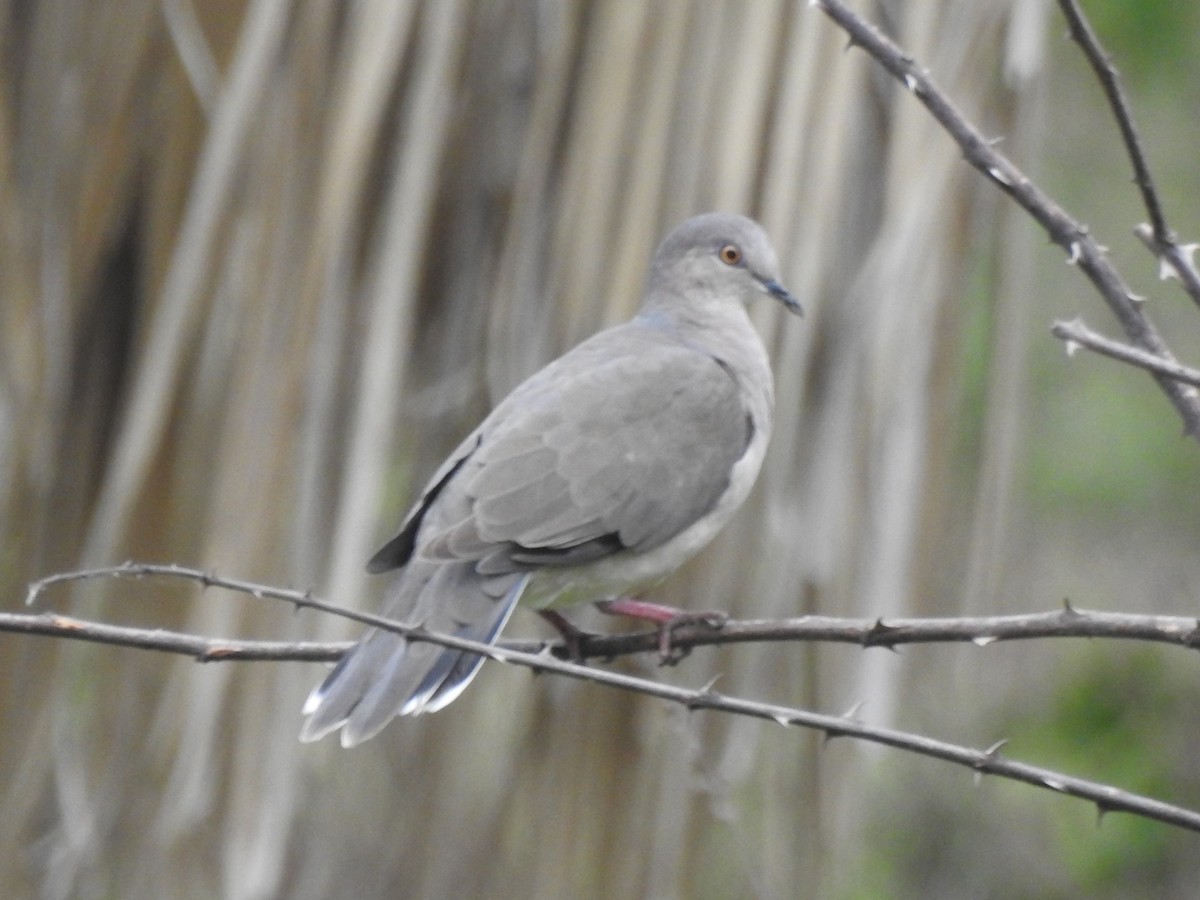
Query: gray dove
[[593, 480]]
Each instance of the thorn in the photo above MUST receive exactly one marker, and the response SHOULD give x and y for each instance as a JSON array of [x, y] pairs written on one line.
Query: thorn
[[782, 720], [831, 733], [1166, 271], [983, 640], [1101, 812], [817, 4], [1071, 347], [1075, 253], [999, 176], [702, 697], [1136, 299], [910, 81], [852, 712], [993, 752], [1144, 231], [877, 635], [1068, 611], [1054, 784], [990, 755], [996, 141]]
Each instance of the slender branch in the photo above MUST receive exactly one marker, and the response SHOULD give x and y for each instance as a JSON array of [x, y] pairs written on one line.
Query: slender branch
[[201, 649], [1068, 622], [1106, 73], [1072, 236], [1156, 235], [989, 761], [303, 599], [1076, 334], [1178, 631]]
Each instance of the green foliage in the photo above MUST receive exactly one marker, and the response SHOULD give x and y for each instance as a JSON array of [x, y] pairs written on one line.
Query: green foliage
[[1117, 721], [1109, 445], [1151, 40]]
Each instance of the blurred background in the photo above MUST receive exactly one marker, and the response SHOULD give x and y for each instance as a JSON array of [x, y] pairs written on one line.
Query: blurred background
[[263, 263]]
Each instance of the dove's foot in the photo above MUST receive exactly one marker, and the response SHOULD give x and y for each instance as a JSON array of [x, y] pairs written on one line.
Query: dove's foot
[[668, 618]]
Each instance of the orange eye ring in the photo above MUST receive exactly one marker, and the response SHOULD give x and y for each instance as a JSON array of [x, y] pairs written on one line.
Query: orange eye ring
[[730, 254]]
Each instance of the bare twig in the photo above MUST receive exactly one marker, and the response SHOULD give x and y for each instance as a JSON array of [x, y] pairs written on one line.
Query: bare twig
[[1156, 235], [1068, 622], [202, 649], [1071, 235], [1076, 334], [1178, 631], [1106, 73], [989, 761], [164, 570]]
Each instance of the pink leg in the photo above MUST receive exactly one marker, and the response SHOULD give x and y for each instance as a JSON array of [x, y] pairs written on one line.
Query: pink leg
[[668, 618]]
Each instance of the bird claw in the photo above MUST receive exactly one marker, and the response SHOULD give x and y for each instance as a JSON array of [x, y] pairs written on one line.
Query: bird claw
[[667, 618], [670, 655]]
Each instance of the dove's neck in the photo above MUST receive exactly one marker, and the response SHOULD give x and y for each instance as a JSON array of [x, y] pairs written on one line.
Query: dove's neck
[[723, 331]]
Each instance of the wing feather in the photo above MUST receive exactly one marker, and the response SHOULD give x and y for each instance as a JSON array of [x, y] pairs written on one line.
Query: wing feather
[[624, 455]]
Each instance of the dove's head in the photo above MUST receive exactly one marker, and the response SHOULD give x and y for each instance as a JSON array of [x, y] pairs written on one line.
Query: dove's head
[[718, 256]]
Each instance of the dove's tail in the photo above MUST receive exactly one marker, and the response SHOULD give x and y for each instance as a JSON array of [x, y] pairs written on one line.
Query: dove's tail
[[386, 675]]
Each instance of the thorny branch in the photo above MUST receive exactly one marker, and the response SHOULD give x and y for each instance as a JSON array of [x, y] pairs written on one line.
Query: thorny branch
[[1071, 235], [1175, 260], [1106, 73], [540, 656], [1076, 334], [1068, 622]]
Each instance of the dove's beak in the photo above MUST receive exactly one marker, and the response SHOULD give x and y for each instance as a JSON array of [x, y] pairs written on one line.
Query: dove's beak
[[782, 294]]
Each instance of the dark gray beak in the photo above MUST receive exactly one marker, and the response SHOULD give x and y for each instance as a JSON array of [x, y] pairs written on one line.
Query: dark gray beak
[[782, 294]]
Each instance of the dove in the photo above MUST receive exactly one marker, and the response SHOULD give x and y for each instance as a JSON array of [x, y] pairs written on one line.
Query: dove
[[592, 481]]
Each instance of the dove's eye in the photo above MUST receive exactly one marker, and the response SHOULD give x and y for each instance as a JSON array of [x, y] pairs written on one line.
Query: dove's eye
[[730, 254]]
